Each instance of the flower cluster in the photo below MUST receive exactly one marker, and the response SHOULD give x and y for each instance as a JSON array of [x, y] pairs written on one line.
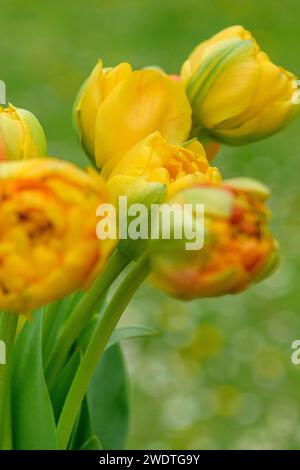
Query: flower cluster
[[146, 126], [141, 127], [150, 136]]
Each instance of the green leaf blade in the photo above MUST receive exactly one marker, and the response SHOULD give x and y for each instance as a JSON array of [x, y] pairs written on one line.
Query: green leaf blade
[[108, 400], [33, 417], [129, 332]]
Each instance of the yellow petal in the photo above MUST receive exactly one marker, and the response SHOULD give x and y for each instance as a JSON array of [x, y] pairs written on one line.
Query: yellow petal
[[232, 91], [86, 107], [35, 144], [145, 102], [11, 137]]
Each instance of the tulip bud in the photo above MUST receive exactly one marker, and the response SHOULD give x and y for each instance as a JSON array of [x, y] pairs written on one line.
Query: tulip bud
[[21, 135], [238, 246], [237, 94], [118, 107]]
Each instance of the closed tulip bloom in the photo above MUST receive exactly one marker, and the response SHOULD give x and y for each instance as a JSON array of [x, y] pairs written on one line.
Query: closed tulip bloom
[[118, 107], [21, 135], [48, 243], [238, 246], [237, 94], [153, 160]]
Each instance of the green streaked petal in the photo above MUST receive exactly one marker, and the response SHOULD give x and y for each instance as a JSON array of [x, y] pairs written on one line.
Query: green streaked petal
[[213, 65]]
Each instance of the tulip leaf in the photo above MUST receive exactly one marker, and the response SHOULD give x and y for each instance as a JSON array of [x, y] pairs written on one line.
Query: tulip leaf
[[108, 400], [53, 318], [129, 332], [86, 334], [118, 335], [33, 417], [83, 428], [91, 444], [63, 383]]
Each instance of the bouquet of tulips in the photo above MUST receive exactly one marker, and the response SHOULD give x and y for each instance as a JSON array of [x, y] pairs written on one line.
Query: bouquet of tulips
[[151, 137]]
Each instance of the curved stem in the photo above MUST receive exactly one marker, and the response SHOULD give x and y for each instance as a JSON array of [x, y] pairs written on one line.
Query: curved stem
[[210, 144], [80, 316], [8, 326], [131, 279]]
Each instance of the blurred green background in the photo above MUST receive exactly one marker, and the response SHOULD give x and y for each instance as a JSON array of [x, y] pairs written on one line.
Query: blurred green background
[[218, 375]]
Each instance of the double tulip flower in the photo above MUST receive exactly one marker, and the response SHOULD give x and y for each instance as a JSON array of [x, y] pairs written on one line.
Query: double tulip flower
[[48, 243], [239, 248], [154, 160], [145, 129], [237, 94], [118, 107]]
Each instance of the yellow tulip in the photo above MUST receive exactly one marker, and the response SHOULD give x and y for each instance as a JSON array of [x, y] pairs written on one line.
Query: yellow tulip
[[21, 135], [237, 94], [48, 243], [118, 107], [238, 246], [153, 160]]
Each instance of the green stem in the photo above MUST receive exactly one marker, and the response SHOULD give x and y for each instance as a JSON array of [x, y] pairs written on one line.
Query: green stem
[[199, 132], [8, 326], [80, 316], [131, 279]]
